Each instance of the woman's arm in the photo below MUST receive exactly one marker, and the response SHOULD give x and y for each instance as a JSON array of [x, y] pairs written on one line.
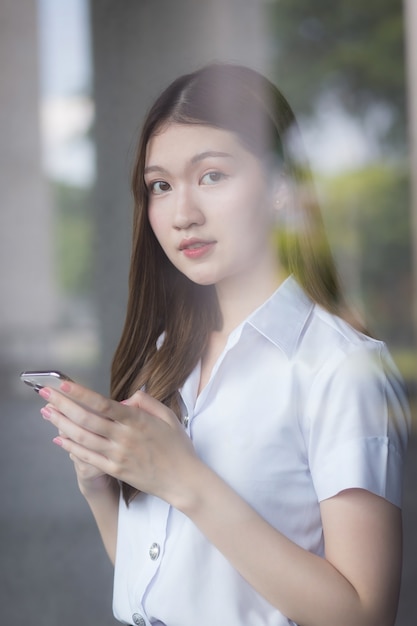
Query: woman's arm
[[103, 500], [101, 492], [357, 582]]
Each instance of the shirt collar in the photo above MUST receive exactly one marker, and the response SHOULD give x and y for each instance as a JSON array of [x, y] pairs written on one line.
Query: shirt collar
[[283, 316]]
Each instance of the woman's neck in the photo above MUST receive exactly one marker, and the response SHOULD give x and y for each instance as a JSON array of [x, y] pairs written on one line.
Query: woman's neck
[[236, 302], [238, 299]]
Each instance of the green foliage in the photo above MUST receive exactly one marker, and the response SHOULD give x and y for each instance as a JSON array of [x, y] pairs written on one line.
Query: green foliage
[[73, 238], [353, 54], [355, 50], [367, 214], [406, 360]]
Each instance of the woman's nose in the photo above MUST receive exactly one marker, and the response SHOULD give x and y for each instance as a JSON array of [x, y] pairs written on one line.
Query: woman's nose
[[187, 210]]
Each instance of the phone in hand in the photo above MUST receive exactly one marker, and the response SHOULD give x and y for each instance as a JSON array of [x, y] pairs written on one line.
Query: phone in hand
[[39, 379]]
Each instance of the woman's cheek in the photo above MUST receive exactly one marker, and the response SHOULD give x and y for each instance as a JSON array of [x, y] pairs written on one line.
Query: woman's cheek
[[157, 223]]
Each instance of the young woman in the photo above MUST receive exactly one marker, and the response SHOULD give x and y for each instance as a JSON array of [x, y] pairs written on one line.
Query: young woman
[[248, 468]]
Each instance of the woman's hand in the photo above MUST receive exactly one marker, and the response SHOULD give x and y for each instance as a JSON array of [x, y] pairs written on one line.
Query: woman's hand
[[90, 479], [139, 441]]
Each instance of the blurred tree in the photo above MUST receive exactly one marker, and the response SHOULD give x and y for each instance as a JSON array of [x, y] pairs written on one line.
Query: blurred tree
[[372, 206], [352, 50], [73, 238], [352, 55]]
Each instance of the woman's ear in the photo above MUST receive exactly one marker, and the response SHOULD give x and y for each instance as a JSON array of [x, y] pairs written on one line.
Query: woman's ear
[[281, 197]]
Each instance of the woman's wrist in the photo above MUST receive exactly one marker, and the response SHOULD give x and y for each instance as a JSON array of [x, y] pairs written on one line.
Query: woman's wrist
[[191, 494], [99, 486]]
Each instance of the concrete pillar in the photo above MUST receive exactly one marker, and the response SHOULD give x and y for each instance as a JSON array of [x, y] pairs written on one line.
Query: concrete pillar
[[138, 48], [27, 302]]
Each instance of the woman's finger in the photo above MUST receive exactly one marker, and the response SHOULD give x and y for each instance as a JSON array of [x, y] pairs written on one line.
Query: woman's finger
[[68, 429], [81, 455], [151, 406], [85, 398], [77, 413]]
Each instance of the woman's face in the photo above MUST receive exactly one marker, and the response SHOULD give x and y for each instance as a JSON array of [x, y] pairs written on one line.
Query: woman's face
[[211, 205]]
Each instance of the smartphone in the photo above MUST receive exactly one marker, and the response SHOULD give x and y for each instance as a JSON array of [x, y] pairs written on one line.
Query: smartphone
[[40, 379]]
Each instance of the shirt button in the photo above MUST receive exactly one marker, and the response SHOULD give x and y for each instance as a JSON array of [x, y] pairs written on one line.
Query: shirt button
[[186, 420], [138, 619], [154, 551]]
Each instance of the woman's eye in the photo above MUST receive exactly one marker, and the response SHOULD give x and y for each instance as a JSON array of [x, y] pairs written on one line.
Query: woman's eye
[[212, 177], [159, 186]]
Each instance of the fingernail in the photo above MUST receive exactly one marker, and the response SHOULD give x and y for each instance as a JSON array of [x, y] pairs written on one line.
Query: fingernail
[[57, 441], [65, 386], [44, 393], [46, 413]]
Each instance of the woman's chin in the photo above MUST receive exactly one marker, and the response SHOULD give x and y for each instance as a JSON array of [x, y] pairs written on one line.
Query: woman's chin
[[204, 281]]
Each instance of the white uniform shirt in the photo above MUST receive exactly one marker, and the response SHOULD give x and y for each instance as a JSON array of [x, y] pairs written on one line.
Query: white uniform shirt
[[299, 407]]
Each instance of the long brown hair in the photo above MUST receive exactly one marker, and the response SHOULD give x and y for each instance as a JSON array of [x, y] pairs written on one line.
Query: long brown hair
[[161, 299]]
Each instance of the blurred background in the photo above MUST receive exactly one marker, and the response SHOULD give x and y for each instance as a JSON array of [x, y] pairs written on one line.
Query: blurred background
[[77, 77]]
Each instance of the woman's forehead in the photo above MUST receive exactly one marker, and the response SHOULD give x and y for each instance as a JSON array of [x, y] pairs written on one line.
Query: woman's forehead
[[176, 138]]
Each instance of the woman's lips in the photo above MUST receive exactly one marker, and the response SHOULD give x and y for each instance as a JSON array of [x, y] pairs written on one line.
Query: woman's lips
[[196, 248]]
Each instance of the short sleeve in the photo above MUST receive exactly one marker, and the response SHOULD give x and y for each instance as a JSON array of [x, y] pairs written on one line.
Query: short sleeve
[[358, 424]]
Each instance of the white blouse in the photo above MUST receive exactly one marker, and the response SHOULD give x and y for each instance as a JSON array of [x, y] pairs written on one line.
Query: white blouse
[[299, 407]]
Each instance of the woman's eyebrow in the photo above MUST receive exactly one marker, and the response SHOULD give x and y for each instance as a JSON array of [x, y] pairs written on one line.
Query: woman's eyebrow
[[155, 168], [195, 159], [209, 153]]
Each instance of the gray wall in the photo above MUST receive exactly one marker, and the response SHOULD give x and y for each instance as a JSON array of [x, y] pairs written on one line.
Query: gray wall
[[28, 304]]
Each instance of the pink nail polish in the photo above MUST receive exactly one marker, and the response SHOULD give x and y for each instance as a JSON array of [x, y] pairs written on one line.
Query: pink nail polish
[[44, 393], [46, 413], [57, 441], [65, 386]]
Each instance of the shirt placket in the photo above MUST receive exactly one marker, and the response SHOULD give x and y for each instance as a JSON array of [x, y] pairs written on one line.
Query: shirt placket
[[152, 559], [191, 401]]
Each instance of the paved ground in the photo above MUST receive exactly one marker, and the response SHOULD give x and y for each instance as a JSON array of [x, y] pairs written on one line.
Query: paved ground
[[53, 569]]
